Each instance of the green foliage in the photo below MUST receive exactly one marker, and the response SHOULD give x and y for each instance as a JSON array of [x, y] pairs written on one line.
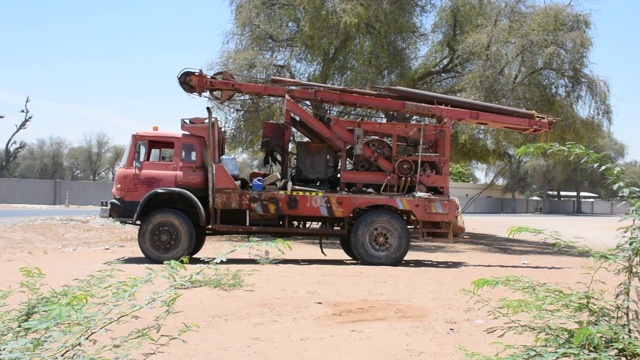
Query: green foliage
[[462, 173], [78, 320], [258, 250], [108, 315], [102, 316], [336, 42], [54, 159], [553, 170], [205, 275], [95, 148], [44, 159], [580, 322], [339, 42], [632, 172], [525, 54], [517, 180]]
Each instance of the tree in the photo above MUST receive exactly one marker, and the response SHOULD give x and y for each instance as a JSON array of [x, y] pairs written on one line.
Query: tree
[[75, 164], [632, 172], [339, 42], [94, 149], [543, 173], [44, 159], [517, 53], [53, 158], [462, 173], [114, 157], [524, 54], [578, 178], [516, 179], [13, 148]]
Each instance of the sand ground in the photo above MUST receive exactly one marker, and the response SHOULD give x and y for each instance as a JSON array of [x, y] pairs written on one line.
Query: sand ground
[[311, 306]]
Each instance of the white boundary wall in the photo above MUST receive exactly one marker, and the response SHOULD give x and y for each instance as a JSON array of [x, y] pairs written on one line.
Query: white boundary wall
[[53, 192]]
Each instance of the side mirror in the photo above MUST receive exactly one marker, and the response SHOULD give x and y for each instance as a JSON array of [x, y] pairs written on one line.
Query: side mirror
[[141, 152]]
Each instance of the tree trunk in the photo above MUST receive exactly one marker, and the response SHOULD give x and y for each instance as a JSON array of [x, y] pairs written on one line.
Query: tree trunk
[[545, 201], [578, 202], [513, 202]]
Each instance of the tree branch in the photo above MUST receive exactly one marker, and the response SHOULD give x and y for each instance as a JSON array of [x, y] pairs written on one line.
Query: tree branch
[[11, 153]]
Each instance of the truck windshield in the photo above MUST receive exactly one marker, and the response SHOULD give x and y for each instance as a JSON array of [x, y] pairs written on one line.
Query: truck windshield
[[125, 157]]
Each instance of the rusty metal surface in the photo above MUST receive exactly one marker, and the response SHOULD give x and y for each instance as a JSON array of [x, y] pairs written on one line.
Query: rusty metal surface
[[468, 110], [329, 205], [427, 97]]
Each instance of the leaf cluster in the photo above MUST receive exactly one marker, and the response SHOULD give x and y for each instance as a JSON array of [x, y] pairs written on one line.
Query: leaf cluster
[[566, 322], [102, 316], [462, 173], [258, 250]]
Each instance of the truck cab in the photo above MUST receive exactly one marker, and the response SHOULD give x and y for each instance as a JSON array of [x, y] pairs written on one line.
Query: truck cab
[[156, 160]]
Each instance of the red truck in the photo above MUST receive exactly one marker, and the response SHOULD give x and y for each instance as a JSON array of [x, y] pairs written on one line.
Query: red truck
[[372, 184]]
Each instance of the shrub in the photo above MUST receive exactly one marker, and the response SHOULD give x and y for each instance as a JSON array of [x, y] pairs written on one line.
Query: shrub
[[565, 322], [103, 316]]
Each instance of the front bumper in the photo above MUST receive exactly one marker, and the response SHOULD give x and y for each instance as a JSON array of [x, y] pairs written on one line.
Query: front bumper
[[118, 209], [110, 208]]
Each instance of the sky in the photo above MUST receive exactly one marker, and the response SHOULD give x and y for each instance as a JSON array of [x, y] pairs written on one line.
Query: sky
[[111, 66]]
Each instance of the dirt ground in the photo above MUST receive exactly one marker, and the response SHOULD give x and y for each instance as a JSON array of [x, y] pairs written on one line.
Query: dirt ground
[[311, 306]]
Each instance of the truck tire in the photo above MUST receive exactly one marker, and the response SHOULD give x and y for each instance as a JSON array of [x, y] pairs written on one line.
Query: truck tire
[[201, 237], [345, 244], [166, 235], [380, 237]]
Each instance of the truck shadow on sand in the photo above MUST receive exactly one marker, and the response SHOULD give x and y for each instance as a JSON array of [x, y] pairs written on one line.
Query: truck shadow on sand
[[407, 263], [297, 262], [478, 242], [470, 242], [490, 243], [474, 243]]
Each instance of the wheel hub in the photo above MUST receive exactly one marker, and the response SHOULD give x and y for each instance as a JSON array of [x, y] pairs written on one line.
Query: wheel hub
[[380, 239], [164, 237]]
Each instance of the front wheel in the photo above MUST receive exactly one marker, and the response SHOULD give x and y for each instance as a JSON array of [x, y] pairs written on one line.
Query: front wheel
[[201, 237], [380, 237], [166, 235]]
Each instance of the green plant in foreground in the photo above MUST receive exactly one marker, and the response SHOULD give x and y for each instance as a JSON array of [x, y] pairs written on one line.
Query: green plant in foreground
[[107, 315], [258, 250], [81, 320], [567, 323]]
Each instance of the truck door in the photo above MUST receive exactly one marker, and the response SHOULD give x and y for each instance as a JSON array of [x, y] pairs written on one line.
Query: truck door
[[155, 166], [192, 171]]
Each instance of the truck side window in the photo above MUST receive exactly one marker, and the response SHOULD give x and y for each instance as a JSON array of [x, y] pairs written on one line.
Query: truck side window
[[189, 153], [161, 151]]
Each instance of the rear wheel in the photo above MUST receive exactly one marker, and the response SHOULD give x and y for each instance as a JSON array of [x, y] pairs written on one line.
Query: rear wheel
[[345, 243], [380, 237], [166, 235]]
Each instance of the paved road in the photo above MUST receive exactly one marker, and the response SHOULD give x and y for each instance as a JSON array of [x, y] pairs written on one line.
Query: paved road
[[26, 213]]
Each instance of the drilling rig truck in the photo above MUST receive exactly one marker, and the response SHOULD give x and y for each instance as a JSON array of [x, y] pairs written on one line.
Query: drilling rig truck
[[372, 184]]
